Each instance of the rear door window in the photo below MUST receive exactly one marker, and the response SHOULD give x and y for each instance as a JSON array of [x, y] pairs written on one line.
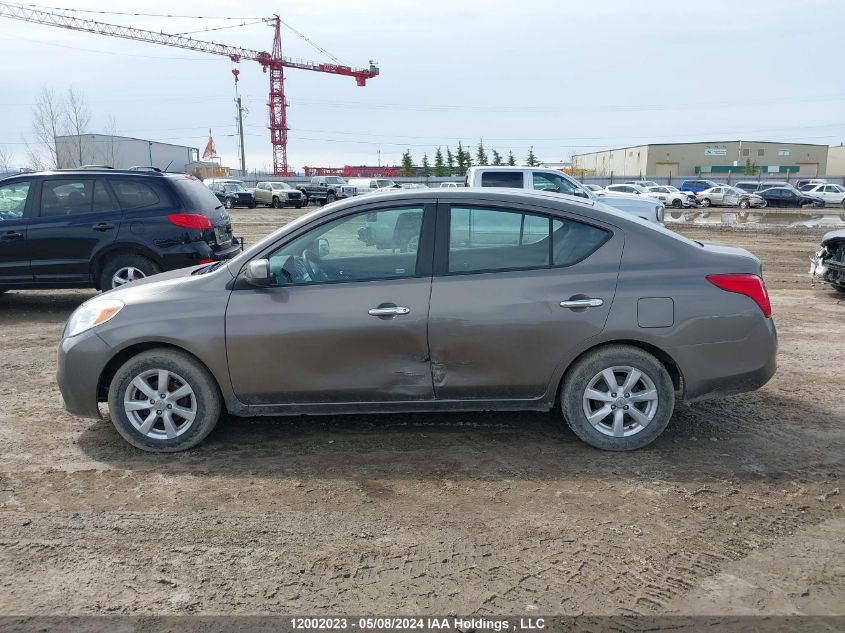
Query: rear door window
[[508, 179], [73, 196], [13, 200]]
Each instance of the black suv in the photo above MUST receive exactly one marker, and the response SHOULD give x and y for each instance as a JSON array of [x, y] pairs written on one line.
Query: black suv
[[103, 228], [233, 194]]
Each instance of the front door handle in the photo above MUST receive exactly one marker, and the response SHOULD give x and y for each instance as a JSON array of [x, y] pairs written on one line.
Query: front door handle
[[388, 311], [10, 236], [103, 226], [574, 304]]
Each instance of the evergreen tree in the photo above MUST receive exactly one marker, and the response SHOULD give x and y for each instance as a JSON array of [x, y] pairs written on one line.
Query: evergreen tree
[[497, 158], [439, 165], [407, 168], [450, 162], [511, 159], [460, 158], [481, 155], [531, 159], [426, 168]]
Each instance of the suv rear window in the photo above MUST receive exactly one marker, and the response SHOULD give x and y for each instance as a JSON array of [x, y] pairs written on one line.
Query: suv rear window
[[142, 194], [198, 197], [501, 179]]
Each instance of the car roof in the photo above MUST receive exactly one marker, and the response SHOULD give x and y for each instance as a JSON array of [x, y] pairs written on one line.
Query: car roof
[[89, 171]]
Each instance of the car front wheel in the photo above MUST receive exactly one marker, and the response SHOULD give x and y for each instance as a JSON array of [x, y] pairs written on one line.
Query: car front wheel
[[677, 203], [618, 398], [164, 401], [229, 203], [706, 202], [276, 203], [744, 204]]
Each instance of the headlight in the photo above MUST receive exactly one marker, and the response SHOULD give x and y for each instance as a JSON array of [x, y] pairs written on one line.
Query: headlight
[[92, 314]]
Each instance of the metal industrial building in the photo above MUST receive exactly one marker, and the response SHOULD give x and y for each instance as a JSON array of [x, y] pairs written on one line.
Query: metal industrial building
[[122, 152], [705, 159]]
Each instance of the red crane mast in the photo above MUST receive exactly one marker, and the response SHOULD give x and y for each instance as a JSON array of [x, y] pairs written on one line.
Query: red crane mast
[[274, 62]]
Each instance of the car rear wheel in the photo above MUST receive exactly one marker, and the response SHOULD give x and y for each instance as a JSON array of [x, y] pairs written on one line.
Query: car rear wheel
[[618, 398], [164, 401], [124, 269], [706, 202], [277, 204]]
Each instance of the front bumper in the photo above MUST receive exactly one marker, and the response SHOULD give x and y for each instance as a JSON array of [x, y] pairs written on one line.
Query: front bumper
[[81, 361]]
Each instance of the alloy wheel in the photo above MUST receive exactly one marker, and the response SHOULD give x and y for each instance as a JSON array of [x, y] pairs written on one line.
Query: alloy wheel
[[620, 401], [160, 404], [126, 275]]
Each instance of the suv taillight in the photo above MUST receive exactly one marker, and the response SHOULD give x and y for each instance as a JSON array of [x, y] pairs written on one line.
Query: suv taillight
[[189, 220], [751, 286]]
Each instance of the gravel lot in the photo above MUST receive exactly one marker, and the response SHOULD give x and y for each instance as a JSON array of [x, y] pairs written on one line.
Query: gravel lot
[[736, 509]]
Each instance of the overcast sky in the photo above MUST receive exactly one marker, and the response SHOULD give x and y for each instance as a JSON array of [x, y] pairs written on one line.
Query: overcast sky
[[565, 77]]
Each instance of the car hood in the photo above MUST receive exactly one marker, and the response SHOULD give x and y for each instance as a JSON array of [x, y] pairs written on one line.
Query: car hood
[[160, 284], [833, 235]]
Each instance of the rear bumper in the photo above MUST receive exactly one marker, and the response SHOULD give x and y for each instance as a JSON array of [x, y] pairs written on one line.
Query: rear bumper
[[191, 254], [81, 360], [729, 367]]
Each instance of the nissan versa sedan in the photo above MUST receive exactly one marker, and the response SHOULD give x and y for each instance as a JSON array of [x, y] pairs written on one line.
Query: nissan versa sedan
[[491, 299]]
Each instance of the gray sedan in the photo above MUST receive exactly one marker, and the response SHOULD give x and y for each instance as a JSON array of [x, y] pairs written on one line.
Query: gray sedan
[[486, 300]]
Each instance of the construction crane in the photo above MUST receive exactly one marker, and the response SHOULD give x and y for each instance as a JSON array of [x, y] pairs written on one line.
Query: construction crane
[[273, 62]]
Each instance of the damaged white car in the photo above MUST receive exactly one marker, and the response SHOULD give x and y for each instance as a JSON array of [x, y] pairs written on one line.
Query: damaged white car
[[828, 264]]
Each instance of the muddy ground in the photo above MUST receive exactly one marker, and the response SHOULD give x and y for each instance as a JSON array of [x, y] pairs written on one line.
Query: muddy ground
[[736, 509]]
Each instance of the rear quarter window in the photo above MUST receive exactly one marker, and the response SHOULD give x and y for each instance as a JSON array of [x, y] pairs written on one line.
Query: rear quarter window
[[196, 196], [501, 179], [143, 194]]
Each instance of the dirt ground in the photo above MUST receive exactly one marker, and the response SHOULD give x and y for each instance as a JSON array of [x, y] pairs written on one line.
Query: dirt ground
[[737, 509]]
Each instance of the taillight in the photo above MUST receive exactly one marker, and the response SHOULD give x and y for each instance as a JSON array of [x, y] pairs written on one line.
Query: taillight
[[206, 260], [189, 220], [751, 286]]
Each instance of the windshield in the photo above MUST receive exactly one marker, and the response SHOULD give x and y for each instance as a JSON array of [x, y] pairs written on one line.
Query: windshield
[[673, 189], [233, 187], [383, 182], [281, 185]]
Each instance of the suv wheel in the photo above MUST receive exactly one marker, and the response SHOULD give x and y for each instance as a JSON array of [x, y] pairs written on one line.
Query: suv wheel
[[229, 203], [618, 398], [330, 197], [164, 401], [124, 269], [277, 204]]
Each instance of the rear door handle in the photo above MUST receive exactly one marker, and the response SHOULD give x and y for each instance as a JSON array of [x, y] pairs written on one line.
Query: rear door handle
[[581, 303], [10, 236], [389, 311], [103, 226]]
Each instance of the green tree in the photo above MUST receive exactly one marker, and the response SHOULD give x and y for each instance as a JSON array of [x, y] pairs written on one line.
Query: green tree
[[460, 159], [531, 159], [439, 165], [511, 159], [450, 162], [481, 155], [751, 169], [497, 158], [426, 168], [407, 168]]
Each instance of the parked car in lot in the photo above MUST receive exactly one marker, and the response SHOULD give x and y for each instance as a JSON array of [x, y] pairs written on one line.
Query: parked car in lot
[[327, 189], [233, 194], [368, 185], [801, 182], [449, 185], [551, 180], [637, 190], [756, 186], [645, 184], [674, 197], [789, 197], [539, 308], [828, 264], [414, 185], [278, 194], [104, 228], [694, 186], [833, 195], [726, 196]]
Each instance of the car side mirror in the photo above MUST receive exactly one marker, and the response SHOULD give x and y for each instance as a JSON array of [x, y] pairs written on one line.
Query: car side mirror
[[257, 272], [323, 248], [581, 193]]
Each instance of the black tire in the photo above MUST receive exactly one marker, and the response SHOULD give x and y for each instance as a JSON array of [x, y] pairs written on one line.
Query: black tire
[[205, 391], [839, 288], [677, 203], [843, 203], [299, 205], [744, 204], [252, 205], [579, 376], [229, 203], [330, 197], [129, 260], [276, 204], [706, 202]]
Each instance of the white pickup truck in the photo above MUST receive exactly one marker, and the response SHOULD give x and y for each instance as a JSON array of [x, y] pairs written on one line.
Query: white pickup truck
[[277, 195], [541, 179]]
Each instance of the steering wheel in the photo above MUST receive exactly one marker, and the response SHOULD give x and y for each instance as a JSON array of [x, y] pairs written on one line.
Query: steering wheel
[[312, 265]]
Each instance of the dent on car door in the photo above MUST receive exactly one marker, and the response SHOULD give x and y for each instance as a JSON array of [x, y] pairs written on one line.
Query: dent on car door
[[515, 291], [342, 320], [14, 259]]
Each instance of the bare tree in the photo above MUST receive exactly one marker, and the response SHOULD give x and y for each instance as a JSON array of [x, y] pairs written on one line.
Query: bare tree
[[77, 118], [6, 158], [48, 118]]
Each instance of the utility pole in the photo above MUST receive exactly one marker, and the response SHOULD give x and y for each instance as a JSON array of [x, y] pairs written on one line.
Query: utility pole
[[236, 72]]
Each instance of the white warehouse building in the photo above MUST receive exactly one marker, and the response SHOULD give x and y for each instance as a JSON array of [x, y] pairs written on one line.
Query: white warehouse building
[[122, 152]]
